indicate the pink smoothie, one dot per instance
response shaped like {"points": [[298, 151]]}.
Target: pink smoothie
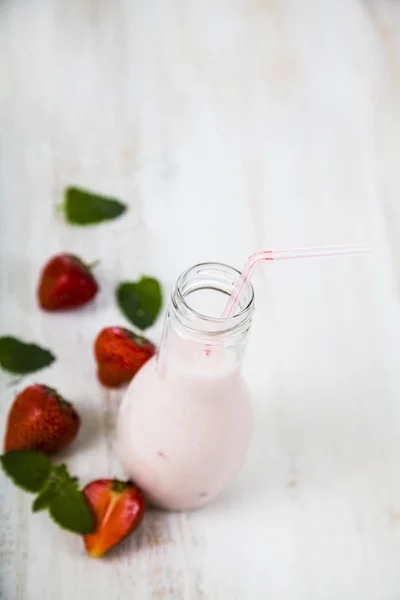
{"points": [[184, 429]]}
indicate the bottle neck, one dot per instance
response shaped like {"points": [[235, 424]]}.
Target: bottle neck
{"points": [[196, 339]]}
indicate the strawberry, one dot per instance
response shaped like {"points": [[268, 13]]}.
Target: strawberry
{"points": [[40, 419], [117, 507], [119, 354], [65, 282]]}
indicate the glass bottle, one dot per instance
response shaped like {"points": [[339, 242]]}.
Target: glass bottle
{"points": [[185, 422]]}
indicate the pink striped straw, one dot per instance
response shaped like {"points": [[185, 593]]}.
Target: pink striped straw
{"points": [[286, 254]]}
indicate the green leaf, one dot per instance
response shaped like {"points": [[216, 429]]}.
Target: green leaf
{"points": [[46, 496], [29, 469], [86, 208], [60, 473], [58, 491], [71, 511], [21, 357], [59, 481], [140, 301]]}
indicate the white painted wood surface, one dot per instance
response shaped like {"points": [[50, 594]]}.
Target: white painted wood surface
{"points": [[227, 126]]}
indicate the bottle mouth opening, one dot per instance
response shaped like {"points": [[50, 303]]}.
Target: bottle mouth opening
{"points": [[201, 293]]}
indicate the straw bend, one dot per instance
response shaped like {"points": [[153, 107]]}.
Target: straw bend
{"points": [[287, 254]]}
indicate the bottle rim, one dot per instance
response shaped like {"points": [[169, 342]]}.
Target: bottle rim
{"points": [[222, 278]]}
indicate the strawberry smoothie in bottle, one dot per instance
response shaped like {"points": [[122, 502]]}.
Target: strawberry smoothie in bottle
{"points": [[185, 422]]}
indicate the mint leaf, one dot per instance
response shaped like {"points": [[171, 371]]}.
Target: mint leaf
{"points": [[86, 208], [60, 473], [140, 301], [46, 496], [58, 481], [71, 511], [66, 503], [21, 357], [28, 469], [33, 471]]}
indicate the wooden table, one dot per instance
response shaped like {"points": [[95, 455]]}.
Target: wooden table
{"points": [[227, 126]]}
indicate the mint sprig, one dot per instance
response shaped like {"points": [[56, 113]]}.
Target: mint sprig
{"points": [[58, 480], [56, 490], [46, 496]]}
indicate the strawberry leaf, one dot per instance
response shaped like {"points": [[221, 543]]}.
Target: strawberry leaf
{"points": [[86, 208], [21, 357], [140, 301], [28, 469], [71, 511]]}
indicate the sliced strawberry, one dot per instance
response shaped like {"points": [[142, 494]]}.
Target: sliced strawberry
{"points": [[118, 508]]}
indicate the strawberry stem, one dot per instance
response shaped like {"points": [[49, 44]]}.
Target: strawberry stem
{"points": [[93, 264]]}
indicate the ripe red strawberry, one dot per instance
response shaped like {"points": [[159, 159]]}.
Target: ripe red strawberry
{"points": [[118, 508], [65, 282], [119, 354], [40, 419]]}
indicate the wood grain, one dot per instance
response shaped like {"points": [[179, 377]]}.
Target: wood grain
{"points": [[227, 127]]}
